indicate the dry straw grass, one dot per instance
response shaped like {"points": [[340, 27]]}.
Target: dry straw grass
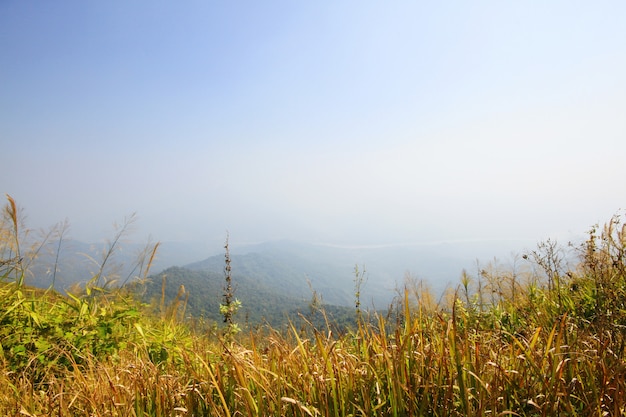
{"points": [[541, 341]]}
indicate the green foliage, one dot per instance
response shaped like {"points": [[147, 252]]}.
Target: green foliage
{"points": [[42, 333]]}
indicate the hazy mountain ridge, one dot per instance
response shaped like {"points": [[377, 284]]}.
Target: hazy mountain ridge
{"points": [[275, 277], [287, 272], [201, 294], [76, 261], [289, 267]]}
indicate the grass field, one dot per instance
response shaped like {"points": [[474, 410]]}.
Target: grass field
{"points": [[538, 339]]}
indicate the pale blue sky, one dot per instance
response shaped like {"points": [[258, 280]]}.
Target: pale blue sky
{"points": [[353, 122]]}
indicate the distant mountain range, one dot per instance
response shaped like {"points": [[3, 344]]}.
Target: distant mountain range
{"points": [[280, 275], [76, 262], [275, 277]]}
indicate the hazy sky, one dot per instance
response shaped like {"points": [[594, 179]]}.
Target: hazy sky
{"points": [[360, 122]]}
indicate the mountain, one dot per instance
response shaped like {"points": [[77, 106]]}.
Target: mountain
{"points": [[288, 271], [75, 262], [295, 269], [200, 292], [330, 269], [274, 277]]}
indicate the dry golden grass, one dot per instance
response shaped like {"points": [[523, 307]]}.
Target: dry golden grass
{"points": [[504, 344]]}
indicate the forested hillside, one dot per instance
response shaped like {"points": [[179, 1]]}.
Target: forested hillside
{"points": [[201, 294]]}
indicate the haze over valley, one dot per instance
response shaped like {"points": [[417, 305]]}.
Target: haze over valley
{"points": [[292, 271], [352, 124], [412, 137]]}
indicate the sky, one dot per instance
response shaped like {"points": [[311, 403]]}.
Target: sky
{"points": [[345, 122]]}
